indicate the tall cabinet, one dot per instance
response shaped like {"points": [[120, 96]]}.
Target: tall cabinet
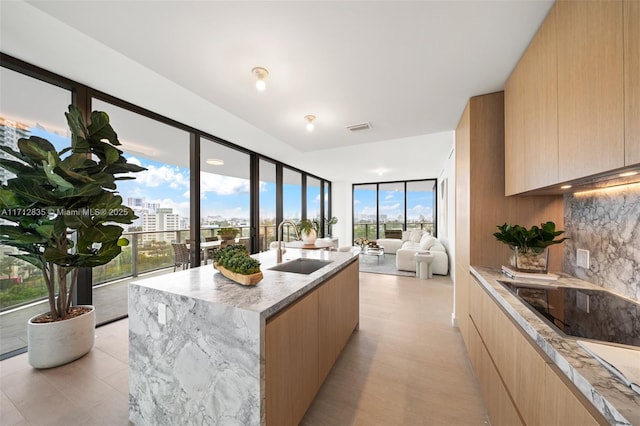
{"points": [[480, 201]]}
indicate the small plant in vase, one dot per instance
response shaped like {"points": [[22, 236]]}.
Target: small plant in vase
{"points": [[309, 230], [530, 247]]}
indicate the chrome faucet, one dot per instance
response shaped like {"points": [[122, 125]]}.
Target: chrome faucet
{"points": [[279, 236]]}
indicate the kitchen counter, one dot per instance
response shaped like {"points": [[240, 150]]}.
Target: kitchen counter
{"points": [[619, 404], [197, 340]]}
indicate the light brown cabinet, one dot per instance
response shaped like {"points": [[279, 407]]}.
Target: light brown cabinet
{"points": [[631, 15], [481, 204], [304, 341], [572, 104], [292, 361], [590, 88], [531, 114], [519, 382]]}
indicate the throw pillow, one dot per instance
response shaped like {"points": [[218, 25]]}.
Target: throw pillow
{"points": [[415, 236], [426, 242], [406, 235]]}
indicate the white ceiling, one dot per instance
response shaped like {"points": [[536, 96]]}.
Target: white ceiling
{"points": [[406, 67]]}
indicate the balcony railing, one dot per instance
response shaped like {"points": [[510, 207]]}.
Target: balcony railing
{"points": [[368, 230], [21, 283]]}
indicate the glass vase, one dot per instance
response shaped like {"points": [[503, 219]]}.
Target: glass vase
{"points": [[534, 260]]}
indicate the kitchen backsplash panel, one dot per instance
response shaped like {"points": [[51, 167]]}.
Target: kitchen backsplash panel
{"points": [[607, 223]]}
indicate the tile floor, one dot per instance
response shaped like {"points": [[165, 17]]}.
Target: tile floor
{"points": [[406, 365]]}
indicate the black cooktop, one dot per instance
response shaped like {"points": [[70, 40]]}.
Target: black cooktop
{"points": [[591, 314]]}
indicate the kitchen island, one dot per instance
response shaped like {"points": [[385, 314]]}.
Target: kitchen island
{"points": [[546, 374], [206, 350]]}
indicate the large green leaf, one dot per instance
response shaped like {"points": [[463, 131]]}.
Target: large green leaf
{"points": [[9, 200], [76, 123], [17, 154], [37, 261], [32, 192], [100, 129], [36, 148], [55, 179], [9, 233], [15, 167]]}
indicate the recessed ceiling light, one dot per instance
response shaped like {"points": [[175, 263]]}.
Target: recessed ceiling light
{"points": [[627, 174], [565, 187], [215, 162]]}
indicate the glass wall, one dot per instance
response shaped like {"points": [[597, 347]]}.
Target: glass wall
{"points": [[365, 211], [267, 198], [28, 107], [393, 206], [225, 196], [314, 209], [390, 207], [421, 205], [291, 200], [161, 196]]}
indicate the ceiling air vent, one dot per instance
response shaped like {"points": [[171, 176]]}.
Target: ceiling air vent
{"points": [[357, 127]]}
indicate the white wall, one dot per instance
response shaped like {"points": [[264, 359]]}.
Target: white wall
{"points": [[447, 232]]}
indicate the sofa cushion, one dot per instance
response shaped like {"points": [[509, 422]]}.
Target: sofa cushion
{"points": [[406, 235], [415, 235], [426, 242]]}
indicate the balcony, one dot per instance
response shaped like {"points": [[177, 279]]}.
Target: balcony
{"points": [[23, 294]]}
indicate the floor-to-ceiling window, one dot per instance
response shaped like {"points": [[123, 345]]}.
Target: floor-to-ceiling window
{"points": [[393, 206], [224, 191], [314, 209], [390, 207], [365, 211], [28, 107], [291, 200], [267, 196], [421, 205], [163, 197], [159, 196]]}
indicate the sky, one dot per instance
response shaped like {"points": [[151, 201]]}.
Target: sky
{"points": [[392, 204], [225, 196]]}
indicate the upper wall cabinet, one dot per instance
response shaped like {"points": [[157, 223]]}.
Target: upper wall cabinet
{"points": [[572, 104], [590, 88], [632, 80], [531, 114]]}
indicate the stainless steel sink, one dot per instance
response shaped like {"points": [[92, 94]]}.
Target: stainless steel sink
{"points": [[301, 265]]}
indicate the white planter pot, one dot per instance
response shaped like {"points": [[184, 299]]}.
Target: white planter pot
{"points": [[309, 238], [57, 343]]}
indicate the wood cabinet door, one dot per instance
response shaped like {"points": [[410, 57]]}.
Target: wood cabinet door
{"points": [[348, 304], [291, 361], [531, 114], [590, 87], [327, 326], [562, 406], [631, 14]]}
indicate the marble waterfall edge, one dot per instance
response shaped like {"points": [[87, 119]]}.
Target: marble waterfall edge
{"points": [[201, 367]]}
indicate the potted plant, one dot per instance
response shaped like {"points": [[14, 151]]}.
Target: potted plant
{"points": [[530, 247], [308, 230], [65, 210], [227, 234], [330, 223], [235, 263]]}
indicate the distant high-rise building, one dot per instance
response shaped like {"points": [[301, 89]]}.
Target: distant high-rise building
{"points": [[163, 219], [10, 133]]}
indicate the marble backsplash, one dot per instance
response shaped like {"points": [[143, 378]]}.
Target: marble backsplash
{"points": [[607, 223]]}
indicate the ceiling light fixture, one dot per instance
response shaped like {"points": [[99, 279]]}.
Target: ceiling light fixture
{"points": [[215, 162], [565, 187], [310, 119], [261, 74], [627, 174]]}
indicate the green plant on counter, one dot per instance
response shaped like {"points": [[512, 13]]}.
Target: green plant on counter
{"points": [[306, 226], [236, 259], [535, 239]]}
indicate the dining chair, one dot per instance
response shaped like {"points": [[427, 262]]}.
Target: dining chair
{"points": [[182, 258]]}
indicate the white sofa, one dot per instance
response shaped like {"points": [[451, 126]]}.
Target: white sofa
{"points": [[417, 242]]}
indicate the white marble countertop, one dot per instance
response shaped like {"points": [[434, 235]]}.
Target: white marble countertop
{"points": [[274, 292], [618, 403]]}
